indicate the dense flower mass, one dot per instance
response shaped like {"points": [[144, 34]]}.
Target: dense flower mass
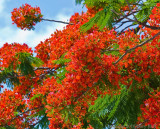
{"points": [[155, 18], [9, 51], [150, 110], [73, 69], [26, 16], [10, 100]]}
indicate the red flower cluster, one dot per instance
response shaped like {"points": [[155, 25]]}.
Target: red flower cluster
{"points": [[8, 53], [150, 110], [88, 64], [92, 56], [155, 16], [26, 16], [10, 100]]}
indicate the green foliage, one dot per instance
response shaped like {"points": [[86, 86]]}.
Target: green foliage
{"points": [[36, 96], [111, 14], [60, 74], [24, 66], [145, 11], [96, 123], [103, 18], [7, 127], [42, 123], [79, 1], [62, 60], [154, 81], [9, 77], [119, 109], [61, 71], [113, 50], [29, 19], [42, 120], [27, 62], [67, 114]]}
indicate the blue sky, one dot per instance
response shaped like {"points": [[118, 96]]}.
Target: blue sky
{"points": [[51, 9]]}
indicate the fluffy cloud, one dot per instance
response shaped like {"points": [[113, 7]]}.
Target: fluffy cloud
{"points": [[1, 5], [11, 34]]}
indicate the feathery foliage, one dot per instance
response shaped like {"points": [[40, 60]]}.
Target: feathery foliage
{"points": [[110, 12]]}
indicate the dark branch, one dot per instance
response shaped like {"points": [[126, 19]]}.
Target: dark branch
{"points": [[139, 126], [76, 99], [122, 23], [131, 10], [126, 28], [57, 21], [136, 30], [151, 27], [21, 114], [38, 122], [41, 68], [131, 20], [143, 43], [123, 16]]}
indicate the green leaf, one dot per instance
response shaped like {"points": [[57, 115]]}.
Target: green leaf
{"points": [[16, 113], [35, 96], [96, 123], [27, 63], [61, 61], [123, 108], [79, 1], [9, 77]]}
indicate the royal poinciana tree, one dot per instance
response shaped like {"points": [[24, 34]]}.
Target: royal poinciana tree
{"points": [[102, 70]]}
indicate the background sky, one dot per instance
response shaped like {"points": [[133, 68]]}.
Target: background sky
{"points": [[51, 9]]}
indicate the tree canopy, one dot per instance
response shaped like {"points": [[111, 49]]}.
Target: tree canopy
{"points": [[101, 71]]}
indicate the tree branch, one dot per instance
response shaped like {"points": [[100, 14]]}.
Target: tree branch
{"points": [[39, 68], [139, 126], [126, 28], [38, 122], [131, 10], [20, 115], [143, 43], [57, 21], [122, 24], [123, 16], [131, 20]]}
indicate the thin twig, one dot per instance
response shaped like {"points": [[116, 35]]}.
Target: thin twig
{"points": [[33, 125], [38, 68], [122, 24], [131, 10], [140, 23], [123, 16], [83, 93], [57, 21], [126, 28], [151, 27], [143, 43], [20, 115], [139, 126], [110, 50]]}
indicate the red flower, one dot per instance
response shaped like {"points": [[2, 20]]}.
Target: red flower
{"points": [[26, 16]]}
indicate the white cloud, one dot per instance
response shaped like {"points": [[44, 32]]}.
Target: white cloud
{"points": [[1, 5], [32, 38], [9, 33]]}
